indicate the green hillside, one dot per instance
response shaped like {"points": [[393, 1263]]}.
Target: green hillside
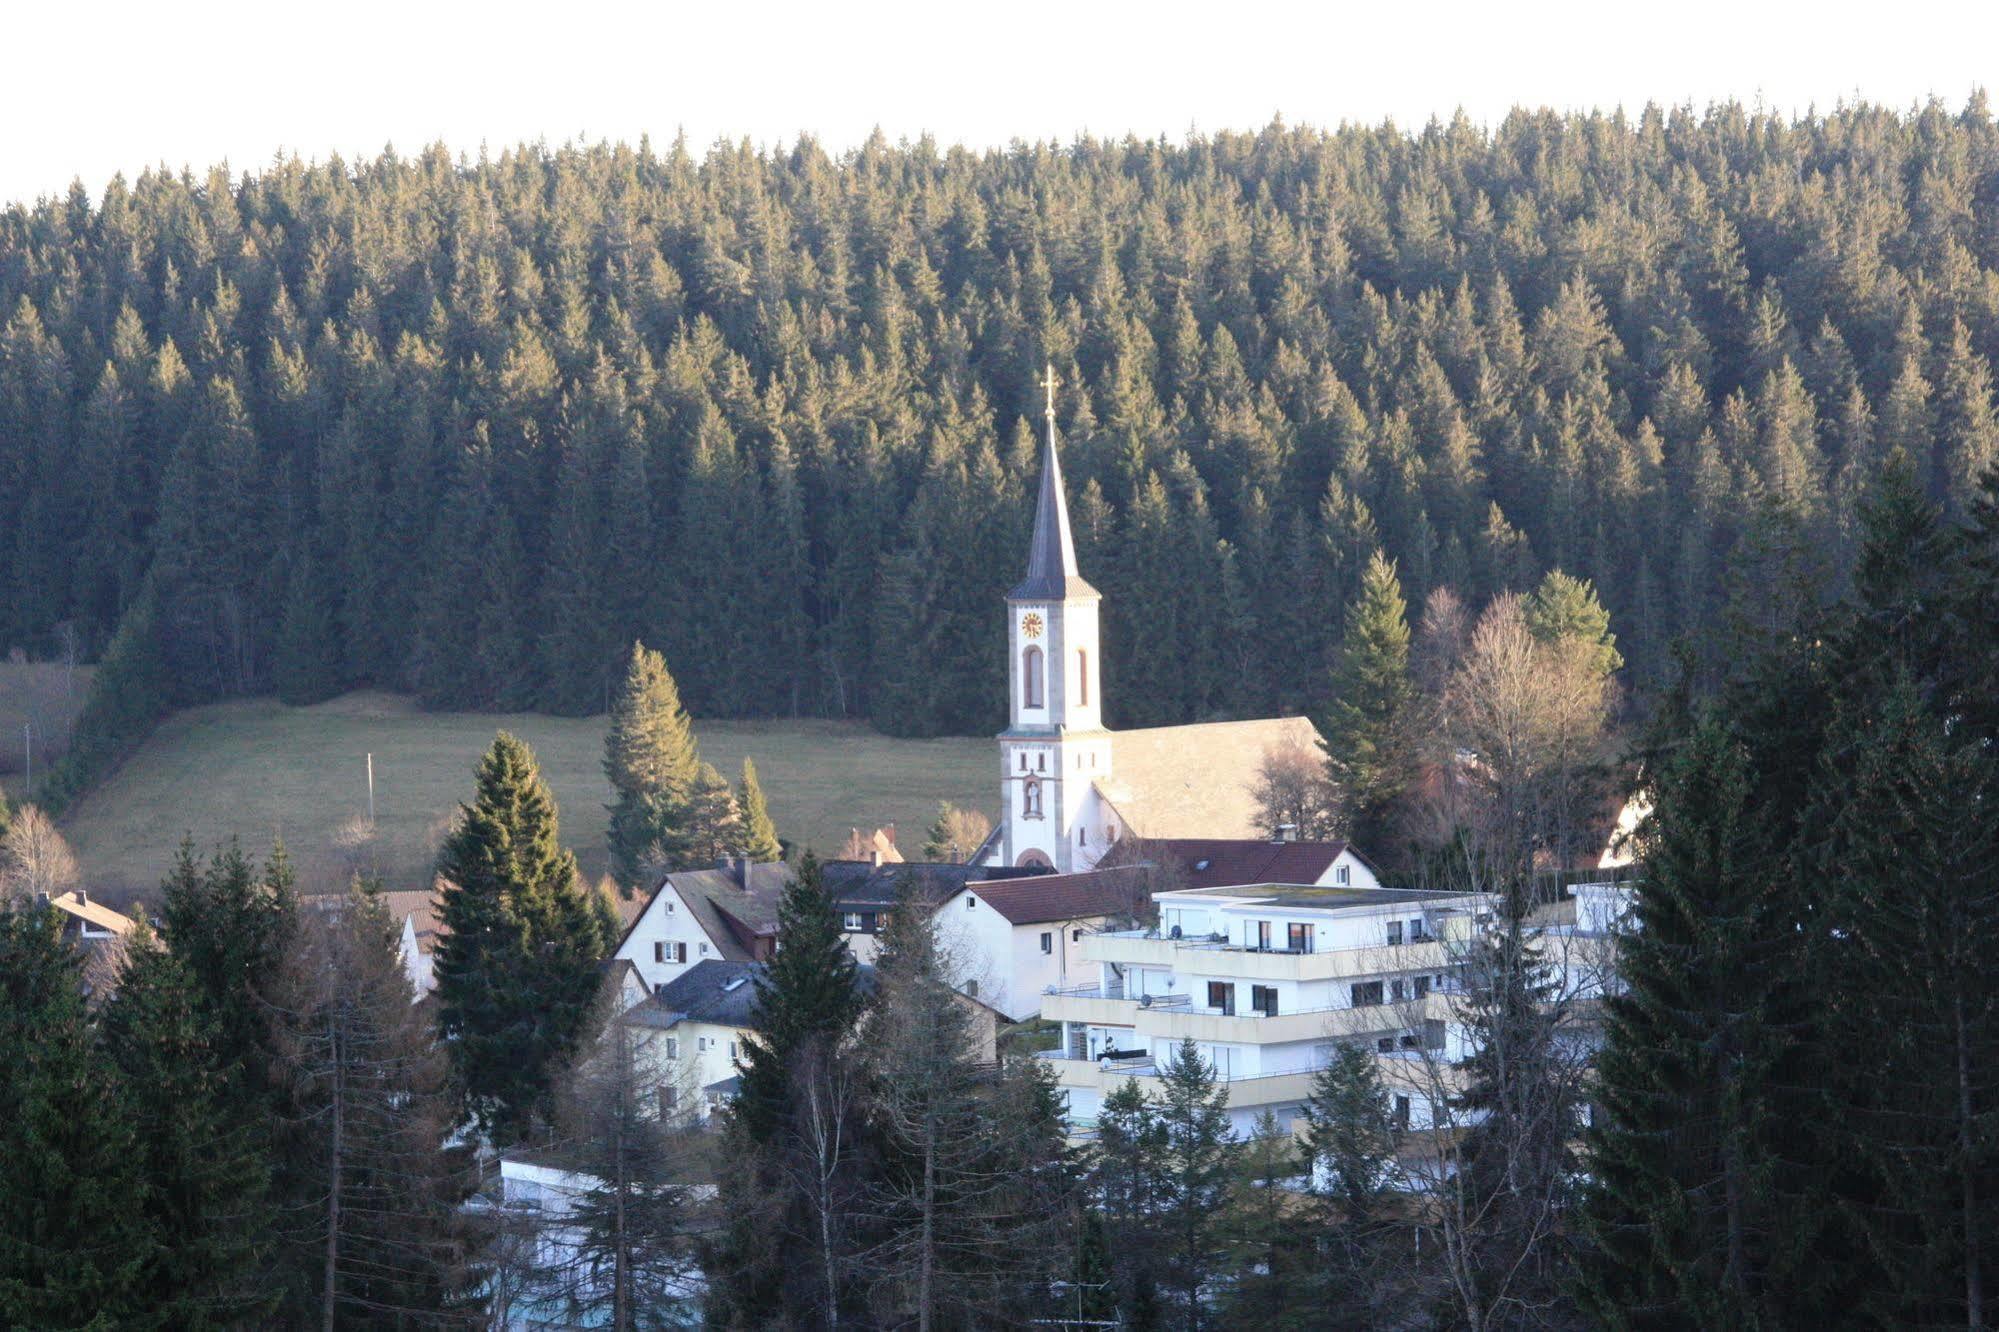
{"points": [[258, 768]]}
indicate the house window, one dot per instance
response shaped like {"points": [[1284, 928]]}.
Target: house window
{"points": [[673, 1047], [971, 902], [669, 1097], [1416, 931], [1047, 941], [1030, 678], [1422, 986], [1343, 876], [683, 951], [1075, 936], [669, 908], [1395, 931], [732, 1049], [1263, 998], [1083, 677], [701, 1044], [1298, 938], [972, 988], [1367, 994], [851, 922], [1221, 997], [1395, 991], [1402, 1112], [1386, 1045], [680, 951], [1082, 837]]}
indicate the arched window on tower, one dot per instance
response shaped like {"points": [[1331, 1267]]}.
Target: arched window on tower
{"points": [[1083, 675], [1030, 678]]}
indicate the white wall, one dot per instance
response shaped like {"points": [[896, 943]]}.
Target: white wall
{"points": [[977, 944], [666, 920]]}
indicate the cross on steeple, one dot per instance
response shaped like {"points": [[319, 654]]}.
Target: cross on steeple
{"points": [[1048, 382]]}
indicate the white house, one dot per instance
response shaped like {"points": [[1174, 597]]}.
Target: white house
{"points": [[690, 1035], [1267, 980], [727, 914], [1071, 789], [1010, 941]]}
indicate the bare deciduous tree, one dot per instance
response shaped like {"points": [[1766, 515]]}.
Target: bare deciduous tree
{"points": [[1293, 793], [35, 861]]}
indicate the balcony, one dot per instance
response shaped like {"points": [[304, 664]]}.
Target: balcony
{"points": [[1254, 1028], [1131, 948], [1089, 1004], [1219, 958]]}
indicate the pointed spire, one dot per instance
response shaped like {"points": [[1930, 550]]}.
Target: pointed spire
{"points": [[1051, 555]]}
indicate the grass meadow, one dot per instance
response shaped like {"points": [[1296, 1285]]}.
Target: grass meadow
{"points": [[256, 769]]}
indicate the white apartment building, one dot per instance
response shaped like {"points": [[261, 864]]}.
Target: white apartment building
{"points": [[1267, 980]]}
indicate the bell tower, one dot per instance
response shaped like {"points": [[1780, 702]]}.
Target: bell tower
{"points": [[1054, 748]]}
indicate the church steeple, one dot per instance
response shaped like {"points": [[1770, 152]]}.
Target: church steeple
{"points": [[1051, 555], [1055, 749]]}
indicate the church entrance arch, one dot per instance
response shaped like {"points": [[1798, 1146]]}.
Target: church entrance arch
{"points": [[1036, 858]]}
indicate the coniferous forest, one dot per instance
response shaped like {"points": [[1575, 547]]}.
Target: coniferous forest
{"points": [[468, 428]]}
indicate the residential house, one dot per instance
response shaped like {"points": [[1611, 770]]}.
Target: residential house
{"points": [[874, 848], [97, 932], [1010, 941], [691, 1033], [1218, 862], [863, 892], [726, 914]]}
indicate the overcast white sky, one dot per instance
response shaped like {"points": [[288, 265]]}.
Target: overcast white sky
{"points": [[87, 89]]}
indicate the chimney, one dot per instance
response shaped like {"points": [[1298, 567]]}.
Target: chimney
{"points": [[743, 871], [82, 898], [1287, 832], [875, 856], [890, 830]]}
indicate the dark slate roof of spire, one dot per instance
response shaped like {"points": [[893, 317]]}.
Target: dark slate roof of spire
{"points": [[1051, 556]]}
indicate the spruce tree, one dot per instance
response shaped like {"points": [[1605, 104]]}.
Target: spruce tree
{"points": [[1127, 1185], [205, 1168], [515, 979], [1198, 1164], [807, 995], [1366, 722], [759, 834], [74, 1247], [1680, 1213], [652, 763], [1350, 1151]]}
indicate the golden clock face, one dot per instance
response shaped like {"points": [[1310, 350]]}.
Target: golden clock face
{"points": [[1030, 625]]}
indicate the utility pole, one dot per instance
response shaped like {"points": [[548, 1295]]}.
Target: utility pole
{"points": [[371, 790]]}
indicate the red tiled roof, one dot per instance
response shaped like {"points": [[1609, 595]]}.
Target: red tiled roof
{"points": [[1046, 897], [1217, 862]]}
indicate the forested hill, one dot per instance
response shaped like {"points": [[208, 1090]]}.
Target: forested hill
{"points": [[468, 428]]}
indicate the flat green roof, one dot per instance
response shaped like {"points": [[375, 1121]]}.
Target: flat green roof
{"points": [[1315, 895]]}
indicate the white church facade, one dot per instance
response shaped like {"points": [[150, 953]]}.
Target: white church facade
{"points": [[1071, 789]]}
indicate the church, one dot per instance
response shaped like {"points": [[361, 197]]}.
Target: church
{"points": [[1070, 789]]}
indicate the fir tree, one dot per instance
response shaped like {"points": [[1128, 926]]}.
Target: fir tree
{"points": [[514, 975], [205, 1168], [652, 763], [1198, 1162], [759, 834], [1365, 727], [806, 995], [74, 1250], [1691, 1046]]}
